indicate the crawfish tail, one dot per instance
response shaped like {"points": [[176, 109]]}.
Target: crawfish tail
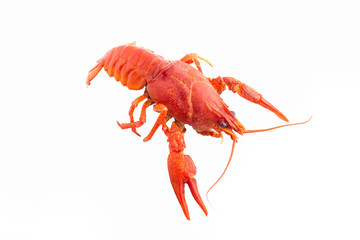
{"points": [[131, 65], [94, 71]]}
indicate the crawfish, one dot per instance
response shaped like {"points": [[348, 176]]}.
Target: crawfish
{"points": [[180, 91]]}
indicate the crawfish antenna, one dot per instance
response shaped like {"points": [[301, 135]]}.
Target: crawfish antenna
{"points": [[268, 129], [227, 165]]}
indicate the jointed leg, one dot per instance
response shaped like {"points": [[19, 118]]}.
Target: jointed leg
{"points": [[161, 120], [133, 125], [244, 91], [193, 58], [134, 105]]}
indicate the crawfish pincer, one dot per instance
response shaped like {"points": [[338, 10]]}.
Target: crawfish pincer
{"points": [[182, 169]]}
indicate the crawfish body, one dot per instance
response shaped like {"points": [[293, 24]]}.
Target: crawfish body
{"points": [[186, 92], [180, 91]]}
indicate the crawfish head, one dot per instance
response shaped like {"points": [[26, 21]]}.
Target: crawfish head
{"points": [[213, 116]]}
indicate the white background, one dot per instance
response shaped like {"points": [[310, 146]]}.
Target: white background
{"points": [[67, 171]]}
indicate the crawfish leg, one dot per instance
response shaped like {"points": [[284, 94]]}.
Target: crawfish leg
{"points": [[194, 58], [161, 120], [244, 91], [182, 170], [133, 125], [134, 105]]}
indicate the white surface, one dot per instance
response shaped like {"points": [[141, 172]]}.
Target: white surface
{"points": [[67, 171]]}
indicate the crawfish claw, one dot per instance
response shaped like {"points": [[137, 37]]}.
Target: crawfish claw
{"points": [[246, 92], [182, 170]]}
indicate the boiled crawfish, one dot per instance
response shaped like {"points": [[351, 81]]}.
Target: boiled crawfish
{"points": [[178, 90]]}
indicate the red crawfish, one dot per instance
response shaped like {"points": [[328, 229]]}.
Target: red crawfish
{"points": [[180, 91]]}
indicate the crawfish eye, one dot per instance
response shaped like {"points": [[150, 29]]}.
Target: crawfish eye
{"points": [[233, 113], [223, 123]]}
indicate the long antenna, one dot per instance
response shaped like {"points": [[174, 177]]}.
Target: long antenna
{"points": [[227, 165], [268, 129], [234, 142]]}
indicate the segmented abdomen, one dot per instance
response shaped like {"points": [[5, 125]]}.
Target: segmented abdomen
{"points": [[131, 65]]}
